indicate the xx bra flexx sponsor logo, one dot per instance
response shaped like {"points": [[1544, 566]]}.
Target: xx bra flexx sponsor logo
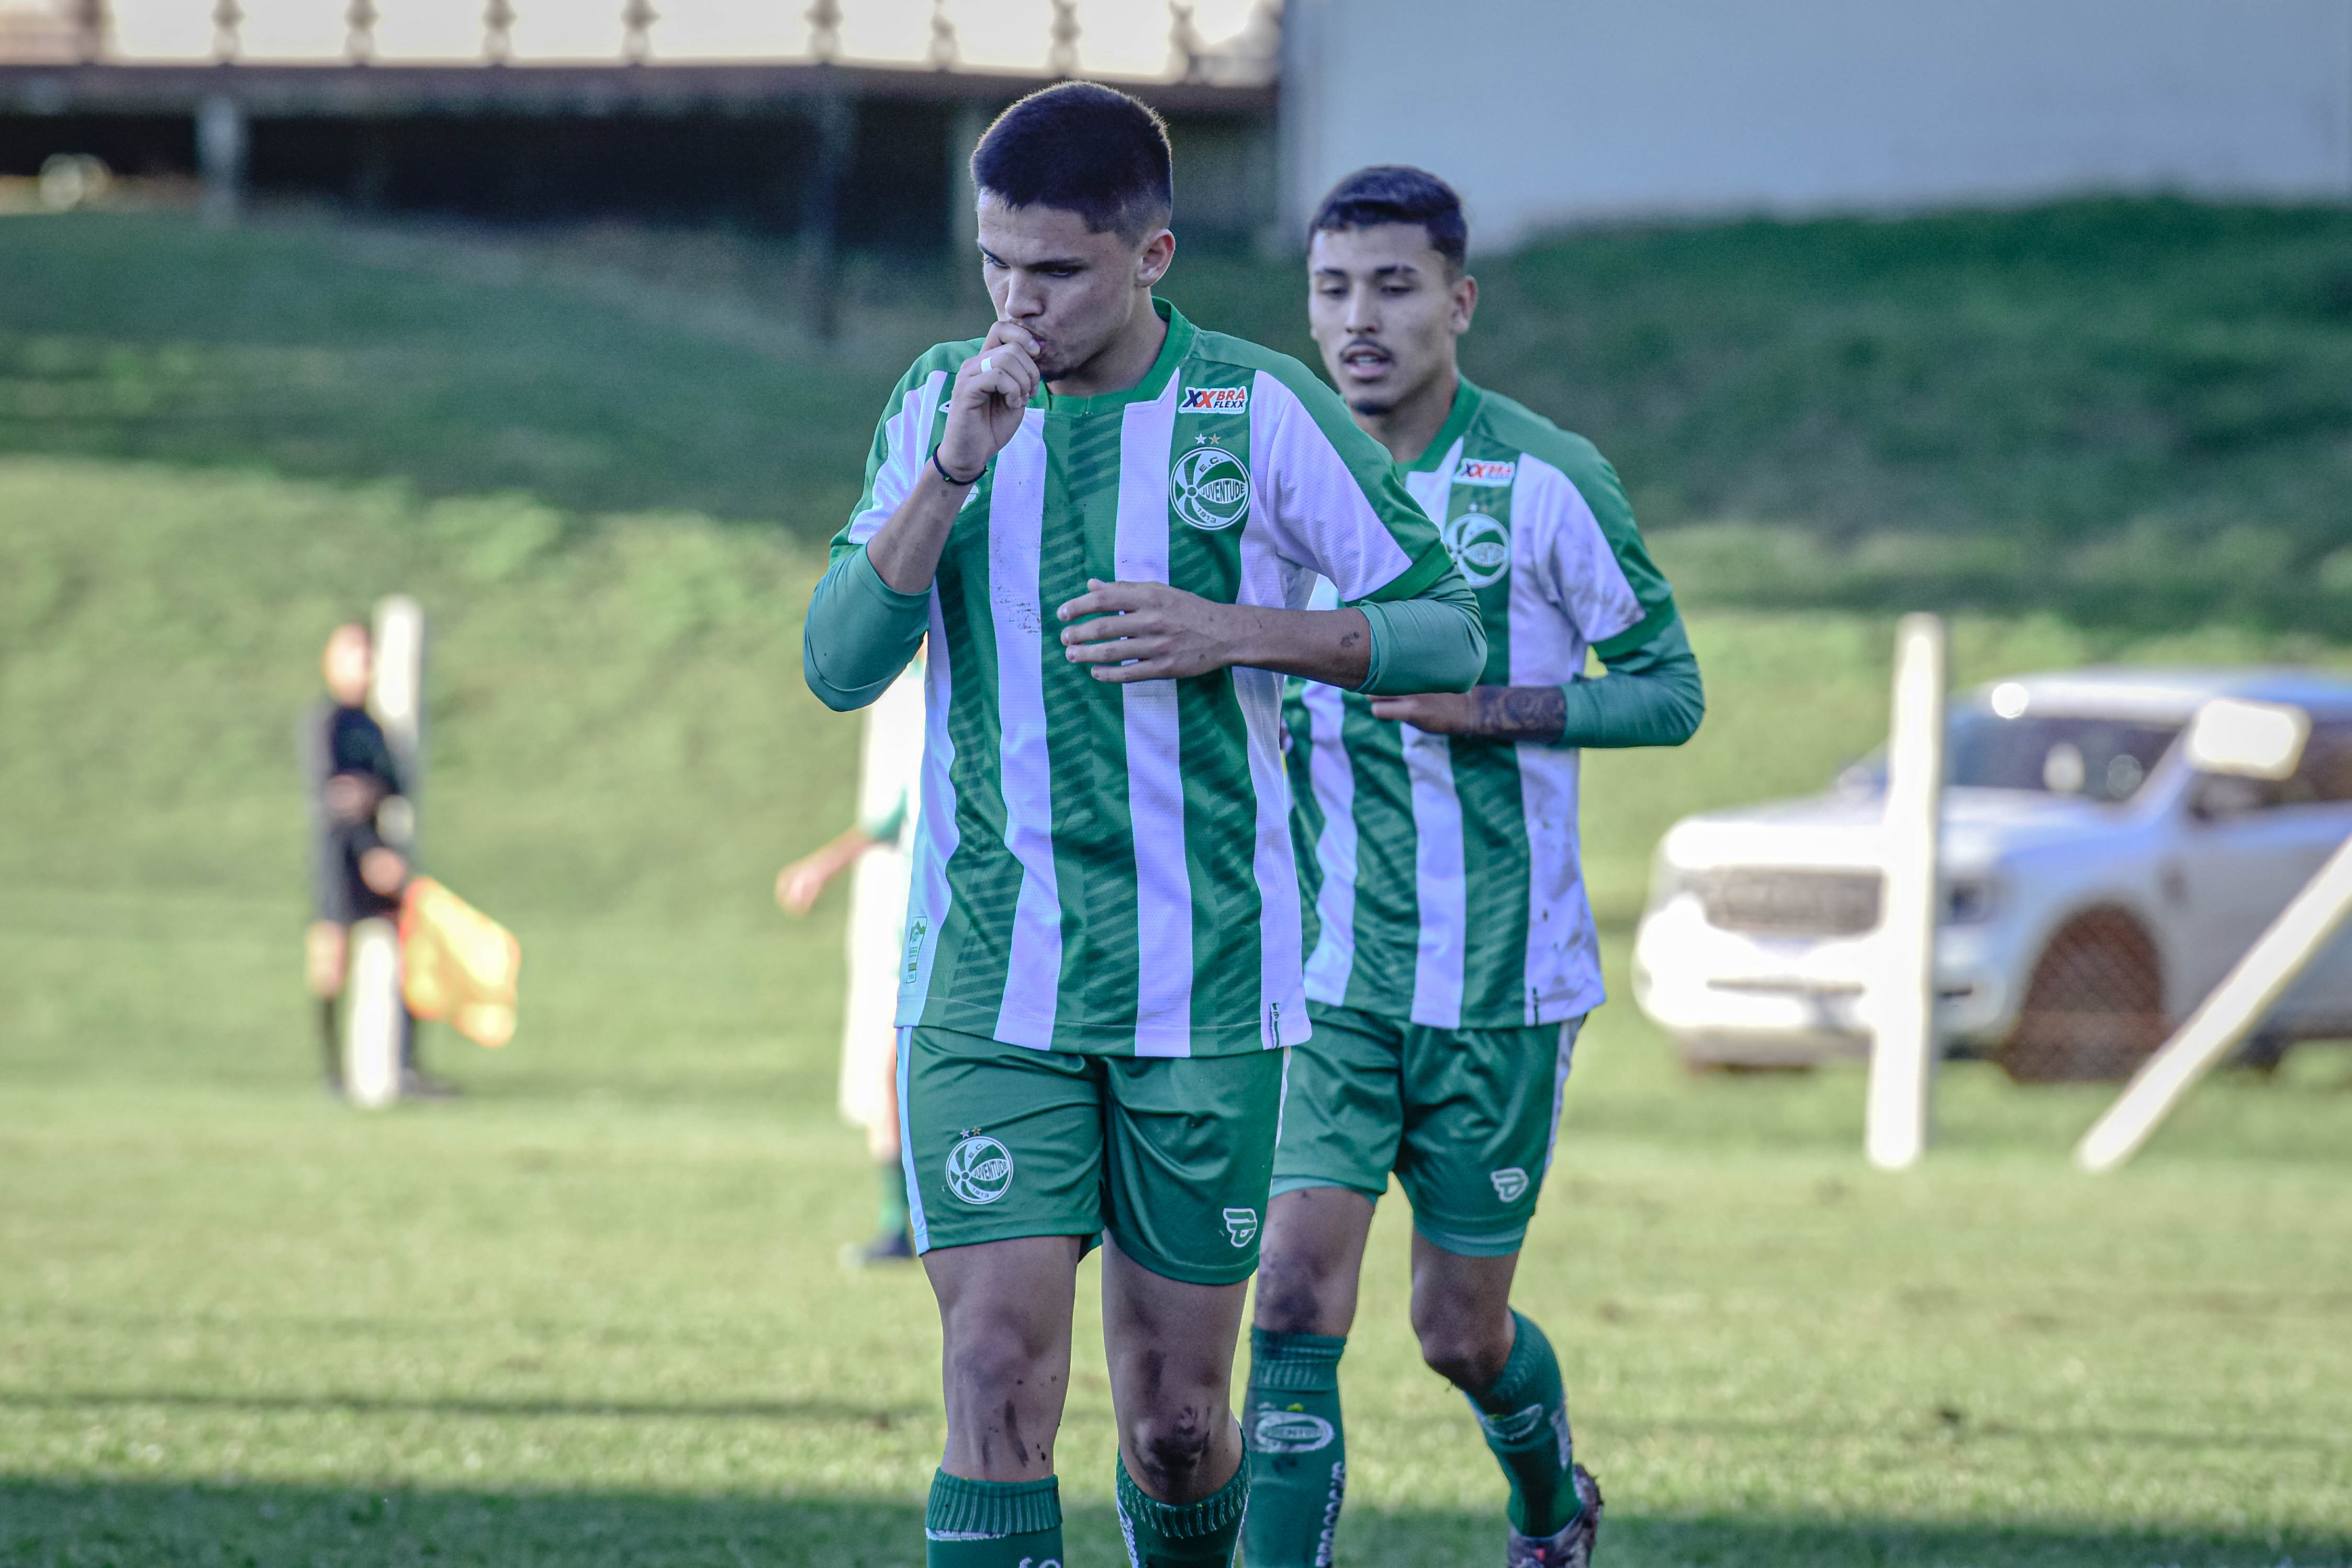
{"points": [[1241, 1224], [1210, 489], [1214, 400], [980, 1170], [1480, 545], [1473, 472], [1509, 1181], [1289, 1431]]}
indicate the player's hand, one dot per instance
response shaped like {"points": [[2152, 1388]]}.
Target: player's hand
{"points": [[991, 395], [384, 871], [798, 884], [1439, 712], [1147, 631], [349, 797]]}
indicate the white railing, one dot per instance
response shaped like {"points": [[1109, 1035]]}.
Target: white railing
{"points": [[1227, 42]]}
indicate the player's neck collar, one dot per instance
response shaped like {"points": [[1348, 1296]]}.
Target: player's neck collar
{"points": [[1467, 399], [1178, 343]]}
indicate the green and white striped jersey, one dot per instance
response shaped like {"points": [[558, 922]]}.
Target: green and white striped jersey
{"points": [[1104, 867], [1441, 872]]}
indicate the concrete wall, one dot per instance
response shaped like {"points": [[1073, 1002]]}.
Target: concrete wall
{"points": [[1551, 111]]}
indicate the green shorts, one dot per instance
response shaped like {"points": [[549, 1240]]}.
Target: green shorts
{"points": [[1465, 1117], [1171, 1155]]}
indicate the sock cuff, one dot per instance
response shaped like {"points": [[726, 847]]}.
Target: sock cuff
{"points": [[1295, 1364], [1526, 1371], [1221, 1510], [986, 1509]]}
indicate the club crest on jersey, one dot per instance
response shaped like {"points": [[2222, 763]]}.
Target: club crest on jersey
{"points": [[1210, 487], [1509, 1182], [1473, 471], [980, 1170], [1214, 400], [1480, 545], [1241, 1224], [1289, 1431]]}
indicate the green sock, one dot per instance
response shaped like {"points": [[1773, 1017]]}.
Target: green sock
{"points": [[1525, 1416], [1297, 1449], [890, 1180], [1182, 1534], [993, 1524]]}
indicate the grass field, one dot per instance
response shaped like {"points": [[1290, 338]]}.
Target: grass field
{"points": [[589, 1314]]}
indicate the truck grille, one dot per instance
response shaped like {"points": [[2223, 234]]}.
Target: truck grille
{"points": [[1792, 903]]}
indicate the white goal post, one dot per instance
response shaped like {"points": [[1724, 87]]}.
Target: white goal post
{"points": [[2236, 1005], [1902, 996], [2254, 739]]}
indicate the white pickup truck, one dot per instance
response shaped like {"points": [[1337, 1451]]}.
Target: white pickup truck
{"points": [[2096, 884]]}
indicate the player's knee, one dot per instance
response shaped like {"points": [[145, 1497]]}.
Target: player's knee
{"points": [[996, 1353], [1174, 1443], [1466, 1352], [1292, 1296]]}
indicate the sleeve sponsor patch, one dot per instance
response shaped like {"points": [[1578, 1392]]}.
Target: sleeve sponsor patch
{"points": [[1214, 400], [1473, 471]]}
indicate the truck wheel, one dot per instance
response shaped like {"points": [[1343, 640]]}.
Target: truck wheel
{"points": [[2094, 1008]]}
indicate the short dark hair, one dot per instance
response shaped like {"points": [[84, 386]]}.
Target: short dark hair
{"points": [[1084, 148], [1398, 193]]}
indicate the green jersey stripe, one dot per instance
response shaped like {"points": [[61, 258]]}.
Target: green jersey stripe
{"points": [[1093, 836]]}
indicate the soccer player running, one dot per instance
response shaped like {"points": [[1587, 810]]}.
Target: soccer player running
{"points": [[1107, 520], [1453, 955]]}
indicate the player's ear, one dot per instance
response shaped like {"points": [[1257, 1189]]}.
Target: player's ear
{"points": [[1152, 262], [1465, 302]]}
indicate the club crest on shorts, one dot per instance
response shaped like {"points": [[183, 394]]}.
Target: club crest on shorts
{"points": [[1288, 1432], [1480, 545], [980, 1170], [1242, 1226], [1210, 489], [1509, 1182]]}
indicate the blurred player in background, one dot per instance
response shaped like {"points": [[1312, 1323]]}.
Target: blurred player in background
{"points": [[1106, 519], [355, 791], [889, 801], [1453, 956]]}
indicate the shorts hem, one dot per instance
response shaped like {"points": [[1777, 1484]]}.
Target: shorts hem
{"points": [[1090, 1239], [1300, 1183], [1184, 1273], [1484, 1243], [1090, 1040]]}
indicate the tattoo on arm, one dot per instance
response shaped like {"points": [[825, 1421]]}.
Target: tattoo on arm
{"points": [[1521, 712]]}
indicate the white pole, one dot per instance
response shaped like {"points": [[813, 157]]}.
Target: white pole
{"points": [[2222, 1020], [396, 699], [372, 1016], [1903, 1042]]}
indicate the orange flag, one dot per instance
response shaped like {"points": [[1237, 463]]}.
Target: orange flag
{"points": [[460, 964]]}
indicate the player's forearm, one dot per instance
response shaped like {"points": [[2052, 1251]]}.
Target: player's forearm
{"points": [[1331, 646], [860, 633], [1436, 642], [905, 552]]}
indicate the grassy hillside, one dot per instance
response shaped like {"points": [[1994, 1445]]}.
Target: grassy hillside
{"points": [[589, 1314], [2138, 414]]}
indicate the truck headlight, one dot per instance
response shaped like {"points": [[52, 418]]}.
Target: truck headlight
{"points": [[1971, 901]]}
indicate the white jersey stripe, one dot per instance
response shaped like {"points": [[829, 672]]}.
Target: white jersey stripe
{"points": [[1155, 782], [1437, 861], [1332, 775], [1280, 990], [909, 435], [1032, 978]]}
